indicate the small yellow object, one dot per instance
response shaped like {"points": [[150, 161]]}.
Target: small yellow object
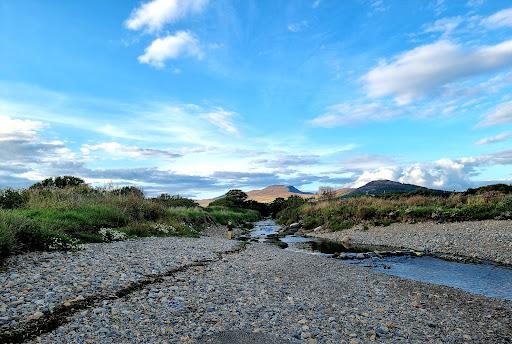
{"points": [[230, 235]]}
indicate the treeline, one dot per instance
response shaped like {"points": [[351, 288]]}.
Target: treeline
{"points": [[64, 212]]}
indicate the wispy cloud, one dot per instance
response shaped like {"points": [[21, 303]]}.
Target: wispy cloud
{"points": [[182, 43], [152, 16], [502, 18], [297, 27], [347, 113], [222, 119], [444, 25], [425, 69], [118, 150], [496, 138], [501, 114]]}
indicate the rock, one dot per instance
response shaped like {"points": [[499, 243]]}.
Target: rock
{"points": [[318, 229], [346, 239], [294, 225], [35, 316], [361, 256]]}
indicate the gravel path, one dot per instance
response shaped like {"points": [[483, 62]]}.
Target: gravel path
{"points": [[265, 294], [34, 284], [487, 240]]}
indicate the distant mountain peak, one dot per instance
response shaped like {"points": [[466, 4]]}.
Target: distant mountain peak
{"points": [[383, 186]]}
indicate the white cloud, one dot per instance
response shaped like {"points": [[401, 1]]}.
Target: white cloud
{"points": [[222, 119], [425, 69], [316, 3], [443, 174], [345, 113], [182, 43], [499, 19], [119, 150], [444, 25], [154, 15], [496, 138], [474, 3], [502, 114], [11, 128], [389, 173], [438, 6]]}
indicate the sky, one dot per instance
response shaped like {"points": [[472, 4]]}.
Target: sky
{"points": [[196, 97]]}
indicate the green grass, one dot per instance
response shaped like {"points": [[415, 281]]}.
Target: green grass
{"points": [[53, 219], [382, 211], [224, 215]]}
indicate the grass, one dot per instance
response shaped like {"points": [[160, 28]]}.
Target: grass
{"points": [[63, 219], [382, 211], [223, 215]]}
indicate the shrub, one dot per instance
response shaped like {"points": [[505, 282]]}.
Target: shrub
{"points": [[11, 199], [7, 240], [176, 201], [59, 183]]}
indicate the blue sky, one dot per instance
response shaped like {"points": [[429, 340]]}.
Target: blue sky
{"points": [[196, 97]]}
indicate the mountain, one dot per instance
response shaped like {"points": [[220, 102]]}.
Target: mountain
{"points": [[272, 192], [380, 187], [268, 194]]}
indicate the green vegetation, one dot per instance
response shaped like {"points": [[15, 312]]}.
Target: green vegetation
{"points": [[62, 213], [490, 202]]}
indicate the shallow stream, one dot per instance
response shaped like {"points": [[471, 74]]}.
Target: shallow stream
{"points": [[483, 279]]}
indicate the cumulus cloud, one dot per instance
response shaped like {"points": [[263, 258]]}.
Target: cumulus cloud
{"points": [[501, 114], [445, 174], [389, 173], [182, 43], [222, 119], [496, 138], [11, 128], [152, 16], [119, 150], [502, 18], [425, 69]]}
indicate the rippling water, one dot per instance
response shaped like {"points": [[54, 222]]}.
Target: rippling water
{"points": [[484, 279]]}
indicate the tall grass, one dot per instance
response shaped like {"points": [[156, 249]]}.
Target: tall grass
{"points": [[53, 218], [224, 215], [345, 213]]}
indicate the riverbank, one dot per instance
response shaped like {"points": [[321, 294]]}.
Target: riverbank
{"points": [[489, 240], [277, 295], [211, 290]]}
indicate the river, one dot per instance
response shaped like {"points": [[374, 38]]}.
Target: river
{"points": [[483, 279]]}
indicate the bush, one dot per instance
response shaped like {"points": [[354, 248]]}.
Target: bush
{"points": [[59, 183], [82, 219], [11, 199], [176, 201]]}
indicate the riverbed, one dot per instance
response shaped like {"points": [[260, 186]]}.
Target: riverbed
{"points": [[483, 279]]}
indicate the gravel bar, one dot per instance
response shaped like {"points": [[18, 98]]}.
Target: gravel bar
{"points": [[485, 240], [267, 295], [34, 284]]}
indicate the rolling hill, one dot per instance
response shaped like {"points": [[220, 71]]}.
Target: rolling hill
{"points": [[380, 187]]}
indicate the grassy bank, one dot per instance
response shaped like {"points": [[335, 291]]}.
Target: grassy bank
{"points": [[346, 213], [63, 218]]}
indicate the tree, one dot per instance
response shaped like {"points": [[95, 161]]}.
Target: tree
{"points": [[129, 191], [60, 182], [232, 199], [327, 193]]}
